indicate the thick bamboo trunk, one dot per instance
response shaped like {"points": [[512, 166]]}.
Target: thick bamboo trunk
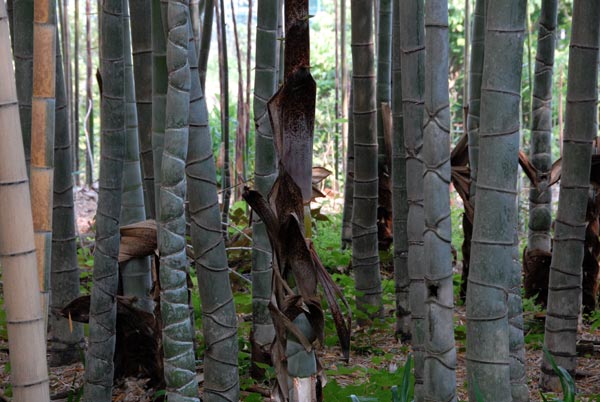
{"points": [[440, 353], [581, 128], [221, 380], [42, 138], [412, 44], [141, 39], [178, 333], [365, 255], [492, 254], [25, 322], [66, 338], [399, 200], [103, 309]]}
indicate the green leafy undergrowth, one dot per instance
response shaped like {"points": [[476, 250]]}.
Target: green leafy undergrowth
{"points": [[328, 243], [369, 384]]}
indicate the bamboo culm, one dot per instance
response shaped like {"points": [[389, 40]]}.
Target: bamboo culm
{"points": [[221, 381], [103, 310], [581, 128]]}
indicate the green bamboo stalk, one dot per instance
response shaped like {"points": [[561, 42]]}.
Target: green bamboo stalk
{"points": [[66, 339], [205, 40], [221, 378], [476, 71], [103, 309], [412, 44], [440, 353], [178, 334], [265, 173], [400, 202], [23, 52], [42, 139], [540, 210], [383, 95], [159, 96], [488, 354], [365, 256], [349, 184], [141, 39], [24, 319], [135, 273], [581, 128]]}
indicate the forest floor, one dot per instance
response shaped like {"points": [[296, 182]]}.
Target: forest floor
{"points": [[377, 358]]}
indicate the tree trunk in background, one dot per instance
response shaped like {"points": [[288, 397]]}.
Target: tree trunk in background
{"points": [[141, 39], [9, 14], [265, 172], [384, 65], [221, 378], [159, 97], [103, 308], [440, 361], [178, 334], [196, 23], [66, 339], [240, 132], [349, 182], [207, 28], [488, 360], [476, 71], [540, 197], [412, 44], [75, 131], [23, 28], [400, 203], [224, 103], [89, 154], [344, 84], [63, 10], [25, 322], [564, 295], [248, 85], [135, 273], [42, 139], [365, 254]]}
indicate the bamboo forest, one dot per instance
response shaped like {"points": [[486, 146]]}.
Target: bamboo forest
{"points": [[299, 200]]}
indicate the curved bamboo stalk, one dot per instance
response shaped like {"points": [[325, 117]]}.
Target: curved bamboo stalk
{"points": [[42, 138], [365, 256], [412, 33], [103, 309], [400, 202], [178, 334], [141, 40], [135, 273], [440, 354], [581, 128], [265, 172], [66, 339], [25, 322], [488, 359], [221, 378]]}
